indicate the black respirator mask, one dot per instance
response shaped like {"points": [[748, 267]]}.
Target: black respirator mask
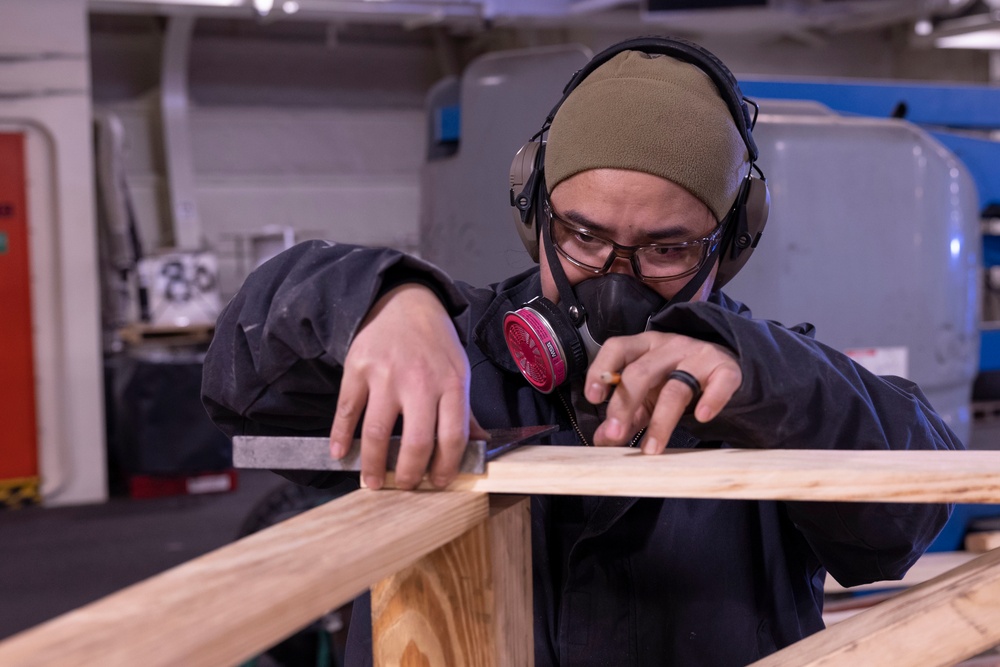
{"points": [[554, 343], [551, 345]]}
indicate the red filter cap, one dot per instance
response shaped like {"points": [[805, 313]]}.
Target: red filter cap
{"points": [[535, 349]]}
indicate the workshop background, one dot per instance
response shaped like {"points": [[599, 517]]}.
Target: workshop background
{"points": [[153, 152]]}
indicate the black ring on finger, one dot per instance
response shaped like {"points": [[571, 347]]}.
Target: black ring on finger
{"points": [[688, 379]]}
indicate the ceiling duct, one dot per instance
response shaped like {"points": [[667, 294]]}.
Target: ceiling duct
{"points": [[760, 17], [791, 16], [401, 12]]}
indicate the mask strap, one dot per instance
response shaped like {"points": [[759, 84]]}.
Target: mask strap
{"points": [[567, 297]]}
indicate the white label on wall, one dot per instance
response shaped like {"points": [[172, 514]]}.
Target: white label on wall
{"points": [[209, 483], [882, 360]]}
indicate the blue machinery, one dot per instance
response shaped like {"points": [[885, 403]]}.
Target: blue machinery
{"points": [[959, 116]]}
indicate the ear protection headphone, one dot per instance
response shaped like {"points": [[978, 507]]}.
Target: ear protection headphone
{"points": [[745, 221]]}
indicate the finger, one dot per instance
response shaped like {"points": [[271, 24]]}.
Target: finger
{"points": [[350, 404], [452, 436], [615, 354], [417, 442], [673, 400], [380, 417], [640, 419], [597, 391], [625, 413], [720, 386], [632, 399]]}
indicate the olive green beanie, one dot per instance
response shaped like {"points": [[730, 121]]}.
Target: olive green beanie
{"points": [[654, 114]]}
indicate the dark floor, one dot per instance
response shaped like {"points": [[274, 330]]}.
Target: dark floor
{"points": [[57, 559]]}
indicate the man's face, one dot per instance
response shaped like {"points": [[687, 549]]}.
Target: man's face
{"points": [[630, 208]]}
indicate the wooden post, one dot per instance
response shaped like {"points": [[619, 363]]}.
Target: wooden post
{"points": [[468, 604]]}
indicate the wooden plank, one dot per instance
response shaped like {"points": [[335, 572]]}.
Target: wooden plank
{"points": [[837, 611], [751, 474], [231, 604], [940, 622], [138, 334], [983, 541], [467, 604], [510, 556]]}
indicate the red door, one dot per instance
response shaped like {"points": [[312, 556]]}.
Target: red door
{"points": [[18, 430]]}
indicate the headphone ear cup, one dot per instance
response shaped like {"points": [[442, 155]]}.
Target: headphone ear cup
{"points": [[756, 204], [524, 175]]}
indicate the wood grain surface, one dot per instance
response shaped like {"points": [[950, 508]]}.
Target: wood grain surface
{"points": [[467, 604], [938, 623], [510, 558], [983, 541], [231, 604], [752, 474]]}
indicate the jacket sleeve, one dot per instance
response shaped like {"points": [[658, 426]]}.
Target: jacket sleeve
{"points": [[275, 363], [798, 393]]}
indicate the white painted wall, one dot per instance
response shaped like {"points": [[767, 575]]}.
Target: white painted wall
{"points": [[326, 140], [307, 169], [49, 100]]}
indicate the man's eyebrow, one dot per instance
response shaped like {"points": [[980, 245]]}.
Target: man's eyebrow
{"points": [[669, 233]]}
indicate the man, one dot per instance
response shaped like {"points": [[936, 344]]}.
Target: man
{"points": [[643, 194]]}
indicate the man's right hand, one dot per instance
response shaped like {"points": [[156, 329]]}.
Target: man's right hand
{"points": [[406, 360]]}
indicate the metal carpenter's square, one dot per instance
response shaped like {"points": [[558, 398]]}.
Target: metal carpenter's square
{"points": [[313, 453]]}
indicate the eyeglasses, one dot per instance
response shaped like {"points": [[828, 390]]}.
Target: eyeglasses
{"points": [[651, 262]]}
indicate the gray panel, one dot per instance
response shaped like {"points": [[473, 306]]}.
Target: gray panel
{"points": [[467, 223], [874, 238]]}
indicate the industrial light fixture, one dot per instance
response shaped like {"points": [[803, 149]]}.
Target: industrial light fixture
{"points": [[988, 40], [975, 31], [99, 4]]}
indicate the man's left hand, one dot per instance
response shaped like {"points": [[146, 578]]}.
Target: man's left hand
{"points": [[646, 397]]}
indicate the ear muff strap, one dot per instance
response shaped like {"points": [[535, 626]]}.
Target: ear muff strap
{"points": [[524, 201], [746, 225]]}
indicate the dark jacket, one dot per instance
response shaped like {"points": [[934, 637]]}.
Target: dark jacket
{"points": [[618, 581]]}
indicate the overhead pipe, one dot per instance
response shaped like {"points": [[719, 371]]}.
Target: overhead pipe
{"points": [[177, 151]]}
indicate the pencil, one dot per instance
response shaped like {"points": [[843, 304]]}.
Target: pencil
{"points": [[610, 377]]}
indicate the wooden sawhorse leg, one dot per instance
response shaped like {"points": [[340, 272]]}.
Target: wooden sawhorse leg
{"points": [[467, 604]]}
